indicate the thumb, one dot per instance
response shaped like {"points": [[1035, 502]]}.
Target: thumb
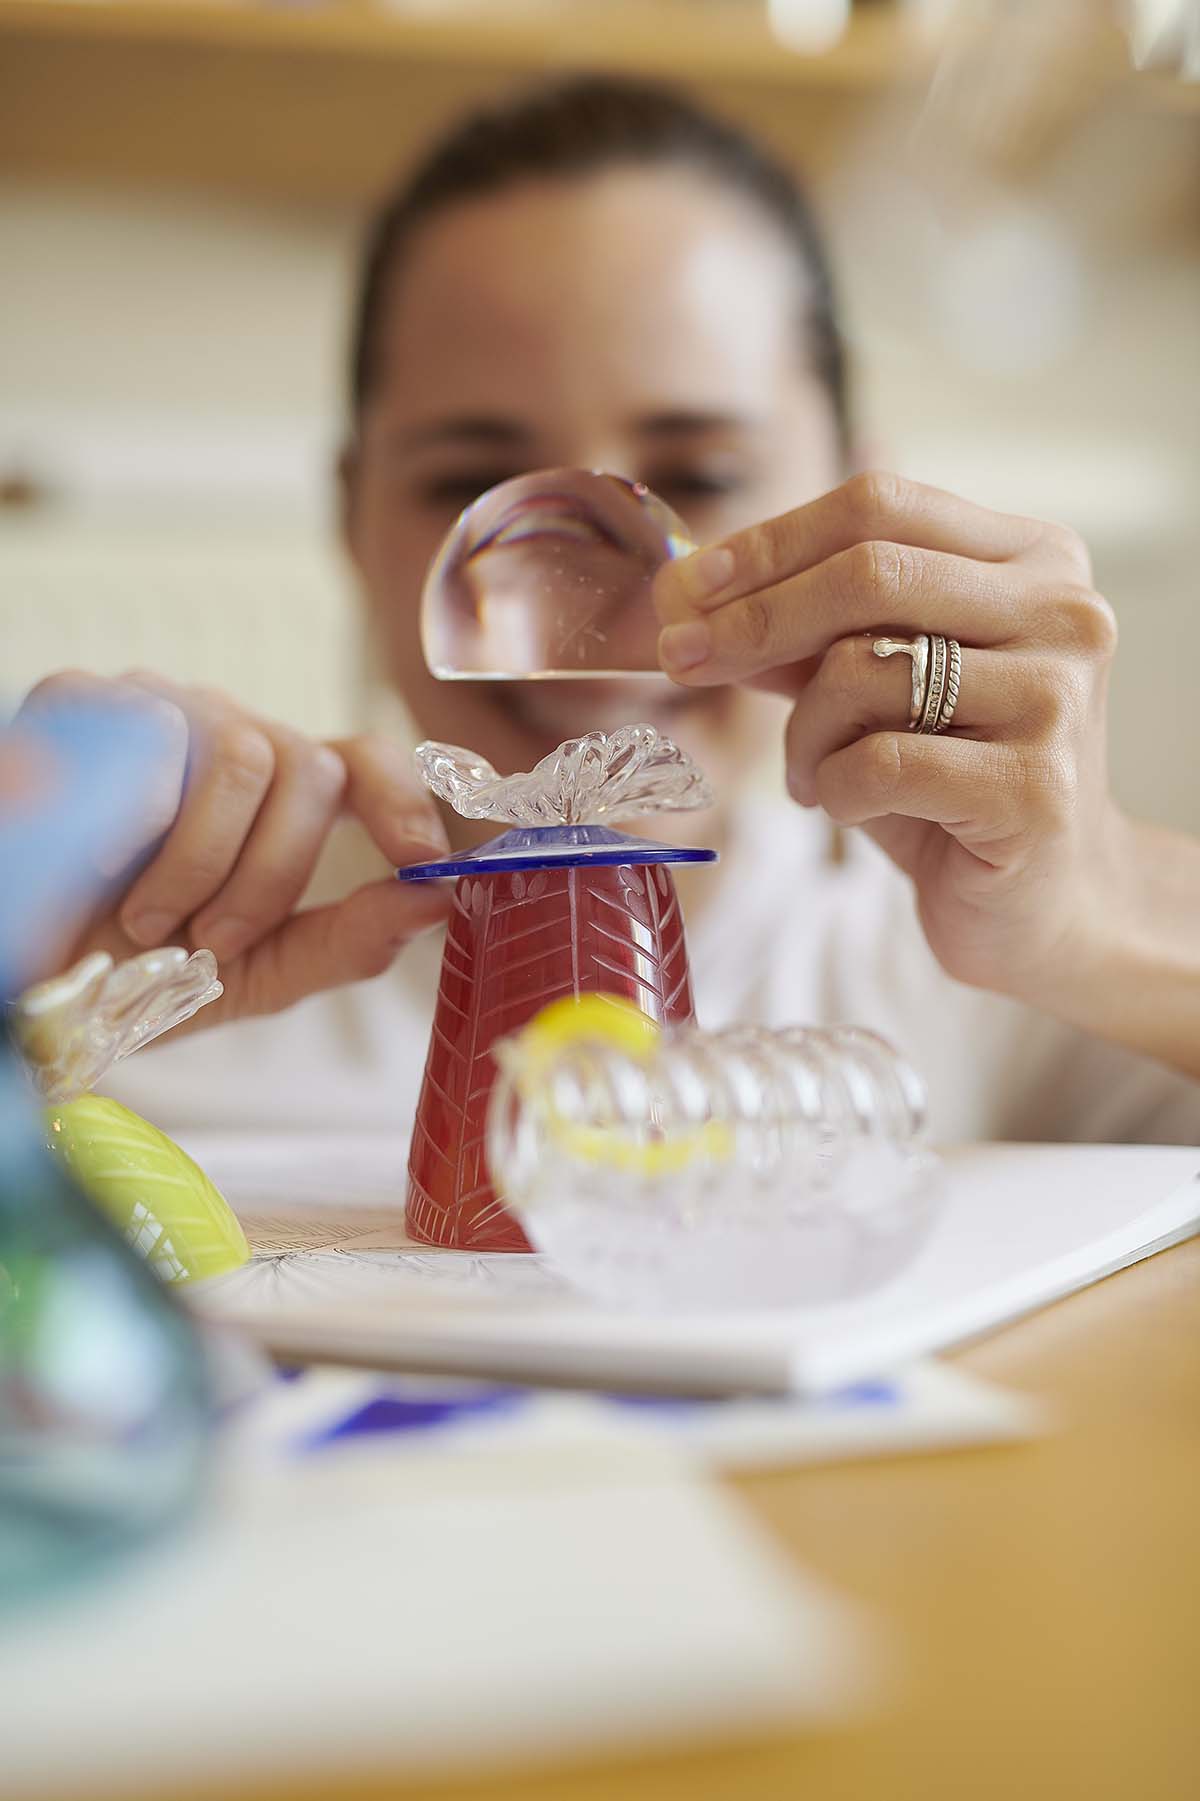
{"points": [[325, 947]]}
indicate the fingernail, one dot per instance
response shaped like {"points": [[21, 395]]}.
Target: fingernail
{"points": [[419, 828], [226, 937], [684, 646], [705, 574], [801, 789], [149, 928], [424, 850]]}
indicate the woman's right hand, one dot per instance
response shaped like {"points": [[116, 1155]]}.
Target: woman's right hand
{"points": [[225, 846]]}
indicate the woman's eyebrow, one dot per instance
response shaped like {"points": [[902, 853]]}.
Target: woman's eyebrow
{"points": [[469, 429]]}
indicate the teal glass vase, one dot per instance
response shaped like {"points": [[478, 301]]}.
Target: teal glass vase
{"points": [[104, 1402]]}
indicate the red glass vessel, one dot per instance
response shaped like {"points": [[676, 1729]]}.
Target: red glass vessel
{"points": [[584, 910]]}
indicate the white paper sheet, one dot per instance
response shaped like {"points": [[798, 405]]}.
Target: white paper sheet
{"points": [[1023, 1225], [368, 1613]]}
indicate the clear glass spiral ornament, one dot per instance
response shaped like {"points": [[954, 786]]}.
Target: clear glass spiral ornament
{"points": [[748, 1167], [548, 576]]}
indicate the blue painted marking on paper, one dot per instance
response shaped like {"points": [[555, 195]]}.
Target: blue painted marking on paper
{"points": [[398, 1413], [859, 1394], [865, 1394], [393, 1412]]}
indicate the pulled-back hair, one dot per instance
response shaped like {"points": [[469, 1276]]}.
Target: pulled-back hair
{"points": [[583, 126]]}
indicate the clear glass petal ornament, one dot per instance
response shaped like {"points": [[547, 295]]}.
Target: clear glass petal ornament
{"points": [[72, 1028], [599, 776], [548, 576]]}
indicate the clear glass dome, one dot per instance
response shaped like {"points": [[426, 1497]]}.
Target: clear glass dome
{"points": [[681, 1168], [548, 576]]}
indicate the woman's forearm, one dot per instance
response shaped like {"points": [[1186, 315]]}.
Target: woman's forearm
{"points": [[1137, 983]]}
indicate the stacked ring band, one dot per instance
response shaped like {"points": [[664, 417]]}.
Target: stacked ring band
{"points": [[936, 676], [953, 678], [935, 691]]}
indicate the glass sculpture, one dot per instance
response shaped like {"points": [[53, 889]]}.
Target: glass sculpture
{"points": [[711, 1169], [73, 1028], [559, 905], [105, 1392], [549, 575], [105, 1403]]}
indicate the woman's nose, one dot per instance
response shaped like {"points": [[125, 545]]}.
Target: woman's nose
{"points": [[607, 454]]}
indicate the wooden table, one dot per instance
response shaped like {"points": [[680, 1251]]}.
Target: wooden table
{"points": [[1043, 1600]]}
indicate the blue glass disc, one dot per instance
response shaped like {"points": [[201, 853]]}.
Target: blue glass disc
{"points": [[554, 847]]}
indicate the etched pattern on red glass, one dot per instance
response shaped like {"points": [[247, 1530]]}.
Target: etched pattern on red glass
{"points": [[517, 941]]}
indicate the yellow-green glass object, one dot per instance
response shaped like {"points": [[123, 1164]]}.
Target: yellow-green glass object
{"points": [[163, 1203]]}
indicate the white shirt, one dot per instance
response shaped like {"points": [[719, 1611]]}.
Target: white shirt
{"points": [[791, 936]]}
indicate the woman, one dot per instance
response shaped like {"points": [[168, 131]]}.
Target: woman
{"points": [[603, 275]]}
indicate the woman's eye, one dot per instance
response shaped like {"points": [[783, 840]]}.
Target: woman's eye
{"points": [[694, 484], [458, 491], [681, 487]]}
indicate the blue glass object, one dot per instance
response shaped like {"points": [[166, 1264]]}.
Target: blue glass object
{"points": [[558, 847], [104, 1392], [91, 764]]}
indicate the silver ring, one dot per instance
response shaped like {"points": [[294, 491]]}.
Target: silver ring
{"points": [[935, 692], [953, 678], [917, 651], [936, 676]]}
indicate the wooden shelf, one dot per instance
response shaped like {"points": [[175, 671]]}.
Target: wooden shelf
{"points": [[687, 38], [319, 103]]}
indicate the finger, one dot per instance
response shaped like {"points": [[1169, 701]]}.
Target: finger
{"points": [[867, 508], [983, 794], [162, 792], [27, 775], [326, 947], [905, 841], [385, 793], [232, 762], [277, 860], [873, 587], [854, 693]]}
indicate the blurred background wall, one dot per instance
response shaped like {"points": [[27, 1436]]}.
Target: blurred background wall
{"points": [[182, 188]]}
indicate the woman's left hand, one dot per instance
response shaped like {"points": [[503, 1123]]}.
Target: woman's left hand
{"points": [[1004, 822]]}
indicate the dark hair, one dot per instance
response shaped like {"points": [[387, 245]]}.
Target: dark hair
{"points": [[581, 126]]}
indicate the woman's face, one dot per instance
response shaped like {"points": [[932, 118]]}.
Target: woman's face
{"points": [[638, 321]]}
